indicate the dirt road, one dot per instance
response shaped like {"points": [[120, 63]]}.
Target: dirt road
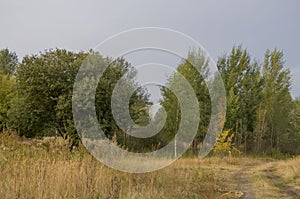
{"points": [[254, 180]]}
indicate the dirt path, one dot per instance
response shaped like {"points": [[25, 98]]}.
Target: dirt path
{"points": [[258, 180], [278, 182], [252, 178], [244, 186]]}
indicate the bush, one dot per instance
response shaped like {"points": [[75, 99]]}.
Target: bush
{"points": [[224, 146]]}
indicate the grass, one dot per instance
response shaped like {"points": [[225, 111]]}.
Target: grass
{"points": [[45, 169], [32, 168], [289, 171]]}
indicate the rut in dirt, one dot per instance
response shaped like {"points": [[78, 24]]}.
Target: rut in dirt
{"points": [[277, 181], [244, 185]]}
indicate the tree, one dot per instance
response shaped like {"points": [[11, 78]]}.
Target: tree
{"points": [[243, 84], [189, 69], [8, 61], [250, 98], [138, 104], [7, 84], [45, 89], [290, 140], [41, 81], [276, 96]]}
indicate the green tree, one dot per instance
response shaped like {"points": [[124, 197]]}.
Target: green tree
{"points": [[250, 98], [7, 84], [243, 85], [45, 88], [189, 69], [42, 81], [8, 61], [290, 139], [276, 97]]}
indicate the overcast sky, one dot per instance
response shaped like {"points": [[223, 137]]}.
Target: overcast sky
{"points": [[31, 26]]}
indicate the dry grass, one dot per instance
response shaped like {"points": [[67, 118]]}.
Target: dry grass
{"points": [[44, 169], [289, 170], [265, 185], [261, 183]]}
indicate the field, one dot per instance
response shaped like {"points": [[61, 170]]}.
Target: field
{"points": [[45, 169]]}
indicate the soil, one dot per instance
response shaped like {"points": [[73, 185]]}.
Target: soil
{"points": [[244, 185], [278, 182]]}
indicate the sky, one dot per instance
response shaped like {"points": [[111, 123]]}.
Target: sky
{"points": [[28, 27]]}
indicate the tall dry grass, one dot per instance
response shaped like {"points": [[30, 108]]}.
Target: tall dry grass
{"points": [[289, 170], [45, 169]]}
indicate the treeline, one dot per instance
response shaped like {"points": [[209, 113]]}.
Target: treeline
{"points": [[36, 94], [262, 117]]}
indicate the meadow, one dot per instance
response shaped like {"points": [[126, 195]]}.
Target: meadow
{"points": [[44, 168]]}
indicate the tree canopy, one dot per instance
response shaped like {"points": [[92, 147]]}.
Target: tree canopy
{"points": [[36, 99]]}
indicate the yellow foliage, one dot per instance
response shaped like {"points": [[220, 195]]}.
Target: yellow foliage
{"points": [[224, 145]]}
